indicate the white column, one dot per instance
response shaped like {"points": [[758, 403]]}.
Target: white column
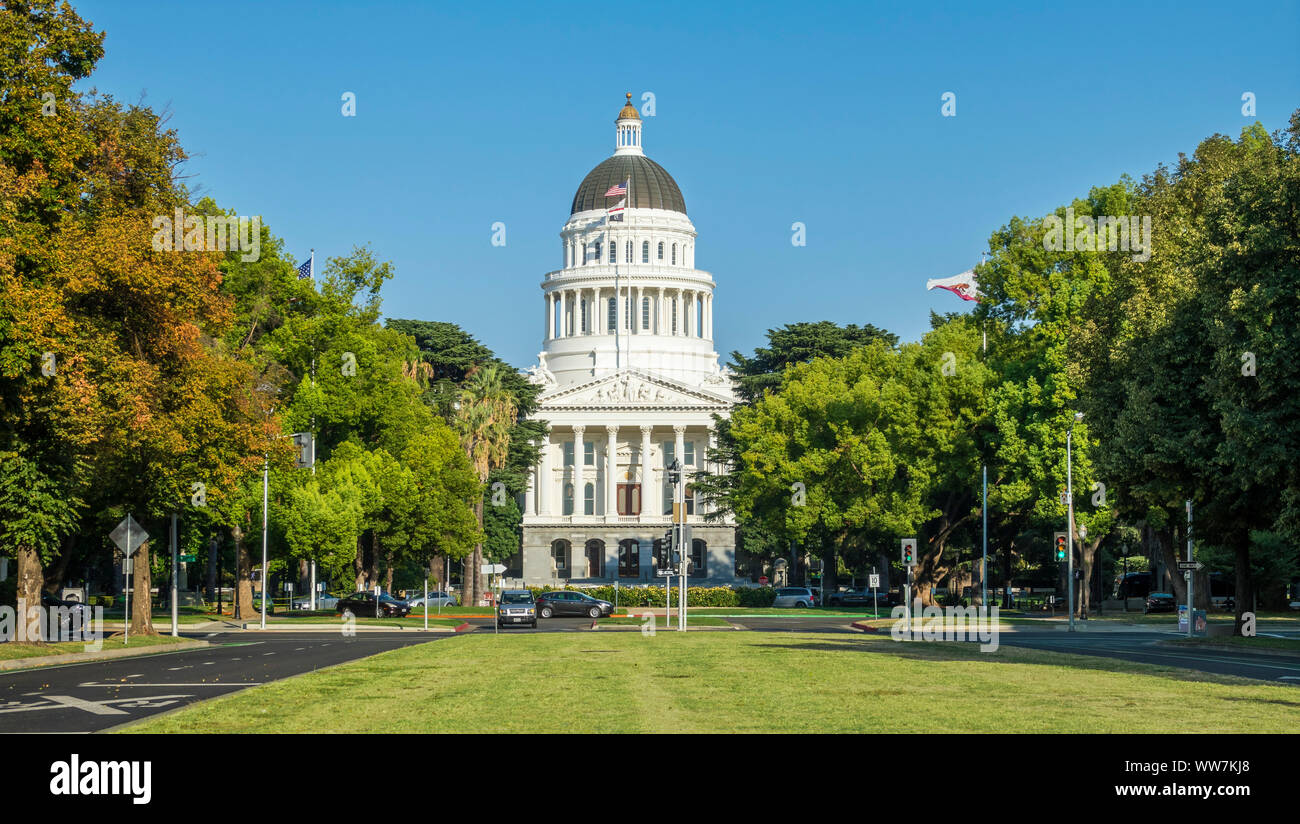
{"points": [[649, 494], [548, 330], [708, 312], [544, 477], [578, 497], [688, 328], [660, 329], [530, 494], [611, 466], [679, 446]]}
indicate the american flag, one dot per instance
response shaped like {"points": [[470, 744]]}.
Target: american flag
{"points": [[304, 271], [620, 189]]}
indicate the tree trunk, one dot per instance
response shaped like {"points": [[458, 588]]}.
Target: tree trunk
{"points": [[212, 571], [1167, 540], [142, 592], [1243, 590], [243, 576], [473, 574], [436, 561], [31, 580], [359, 564], [372, 568], [1087, 556]]}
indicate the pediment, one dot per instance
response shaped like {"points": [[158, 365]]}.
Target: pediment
{"points": [[630, 389]]}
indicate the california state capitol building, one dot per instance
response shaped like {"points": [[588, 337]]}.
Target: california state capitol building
{"points": [[630, 381]]}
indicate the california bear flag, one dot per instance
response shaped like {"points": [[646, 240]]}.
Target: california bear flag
{"points": [[963, 285]]}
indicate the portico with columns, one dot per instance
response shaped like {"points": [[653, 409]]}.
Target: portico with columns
{"points": [[631, 381]]}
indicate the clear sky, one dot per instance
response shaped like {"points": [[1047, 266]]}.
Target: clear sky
{"points": [[766, 114]]}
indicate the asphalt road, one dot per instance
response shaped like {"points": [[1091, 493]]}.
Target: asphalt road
{"points": [[1145, 647], [97, 695]]}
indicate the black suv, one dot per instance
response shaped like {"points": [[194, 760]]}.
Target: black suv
{"points": [[517, 607]]}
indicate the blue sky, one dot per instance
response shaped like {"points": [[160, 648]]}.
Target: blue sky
{"points": [[766, 114]]}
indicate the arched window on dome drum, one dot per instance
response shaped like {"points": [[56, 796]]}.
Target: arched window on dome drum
{"points": [[628, 252], [597, 253], [661, 250], [645, 313], [674, 302], [613, 316], [584, 316], [645, 251], [674, 254]]}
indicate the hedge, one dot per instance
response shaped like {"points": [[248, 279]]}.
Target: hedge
{"points": [[653, 596]]}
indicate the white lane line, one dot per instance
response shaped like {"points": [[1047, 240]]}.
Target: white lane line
{"points": [[199, 684], [268, 653]]}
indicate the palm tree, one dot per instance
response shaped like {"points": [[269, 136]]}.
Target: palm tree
{"points": [[485, 411]]}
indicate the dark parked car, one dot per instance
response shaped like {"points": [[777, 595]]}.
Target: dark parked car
{"points": [[566, 602], [364, 605], [856, 597], [1160, 602], [73, 617], [517, 607]]}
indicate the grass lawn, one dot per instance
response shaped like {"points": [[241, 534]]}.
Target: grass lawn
{"points": [[16, 650], [737, 682]]}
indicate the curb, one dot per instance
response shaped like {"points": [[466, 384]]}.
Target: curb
{"points": [[103, 655]]}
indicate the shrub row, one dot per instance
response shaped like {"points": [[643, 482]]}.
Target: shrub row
{"points": [[695, 596]]}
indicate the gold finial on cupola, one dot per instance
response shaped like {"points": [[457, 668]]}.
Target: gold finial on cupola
{"points": [[629, 111]]}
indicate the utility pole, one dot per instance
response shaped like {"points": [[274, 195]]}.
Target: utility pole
{"points": [[1069, 491], [1191, 574]]}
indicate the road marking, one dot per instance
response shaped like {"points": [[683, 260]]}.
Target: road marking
{"points": [[268, 653], [82, 704], [58, 702], [174, 669]]}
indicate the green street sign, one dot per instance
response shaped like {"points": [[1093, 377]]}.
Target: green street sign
{"points": [[188, 559]]}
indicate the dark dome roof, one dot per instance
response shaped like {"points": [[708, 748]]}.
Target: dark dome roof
{"points": [[652, 186]]}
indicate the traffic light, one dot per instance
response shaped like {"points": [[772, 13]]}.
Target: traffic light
{"points": [[909, 552], [675, 472], [302, 442], [1060, 546]]}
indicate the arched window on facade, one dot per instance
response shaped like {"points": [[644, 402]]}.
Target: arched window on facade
{"points": [[595, 558], [629, 558], [699, 559], [560, 557], [589, 499], [568, 499]]}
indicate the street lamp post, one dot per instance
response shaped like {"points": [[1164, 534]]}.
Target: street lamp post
{"points": [[1069, 492]]}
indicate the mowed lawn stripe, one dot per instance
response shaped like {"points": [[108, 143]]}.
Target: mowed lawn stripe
{"points": [[738, 681]]}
